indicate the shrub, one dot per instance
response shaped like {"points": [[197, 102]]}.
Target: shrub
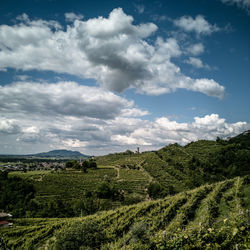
{"points": [[155, 190], [139, 232], [86, 235]]}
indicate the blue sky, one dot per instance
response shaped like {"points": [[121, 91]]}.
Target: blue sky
{"points": [[104, 76]]}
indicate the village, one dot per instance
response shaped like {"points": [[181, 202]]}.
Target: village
{"points": [[20, 166]]}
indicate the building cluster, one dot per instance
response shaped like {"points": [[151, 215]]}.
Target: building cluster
{"points": [[5, 220], [9, 167]]}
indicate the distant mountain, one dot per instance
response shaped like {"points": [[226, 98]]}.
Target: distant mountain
{"points": [[62, 153]]}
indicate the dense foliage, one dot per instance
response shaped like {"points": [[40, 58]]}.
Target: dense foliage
{"points": [[15, 194], [82, 166], [86, 235]]}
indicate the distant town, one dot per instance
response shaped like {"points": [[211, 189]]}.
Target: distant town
{"points": [[20, 166]]}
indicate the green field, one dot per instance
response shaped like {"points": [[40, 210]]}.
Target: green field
{"points": [[70, 185], [210, 217]]}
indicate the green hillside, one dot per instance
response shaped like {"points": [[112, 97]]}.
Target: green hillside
{"points": [[210, 217], [72, 192], [180, 168]]}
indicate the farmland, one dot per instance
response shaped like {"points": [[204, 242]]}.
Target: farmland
{"points": [[211, 216], [70, 186]]}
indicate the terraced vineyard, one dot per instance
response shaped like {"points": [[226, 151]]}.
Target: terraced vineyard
{"points": [[71, 186], [65, 185], [210, 217]]}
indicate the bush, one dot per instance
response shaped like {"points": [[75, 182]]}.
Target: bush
{"points": [[107, 191], [86, 235], [139, 232], [155, 190]]}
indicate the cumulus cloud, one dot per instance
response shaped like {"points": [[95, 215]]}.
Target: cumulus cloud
{"points": [[64, 99], [196, 62], [92, 120], [113, 51], [209, 87], [63, 114], [71, 17], [244, 4], [163, 131], [196, 49], [9, 126], [198, 24]]}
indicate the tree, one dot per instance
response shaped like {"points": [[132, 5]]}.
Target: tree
{"points": [[107, 191], [155, 190], [15, 194], [103, 191], [92, 164], [72, 164]]}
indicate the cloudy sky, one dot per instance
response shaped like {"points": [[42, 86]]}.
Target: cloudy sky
{"points": [[106, 76]]}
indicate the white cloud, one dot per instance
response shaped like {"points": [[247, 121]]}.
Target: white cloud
{"points": [[196, 62], [71, 17], [196, 49], [31, 130], [244, 4], [210, 87], [163, 131], [132, 112], [91, 120], [22, 77], [63, 99], [198, 24], [74, 143], [112, 50], [8, 126], [63, 114]]}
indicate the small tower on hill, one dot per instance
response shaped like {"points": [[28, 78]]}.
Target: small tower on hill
{"points": [[137, 150]]}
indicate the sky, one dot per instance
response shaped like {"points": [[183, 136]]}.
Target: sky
{"points": [[105, 76]]}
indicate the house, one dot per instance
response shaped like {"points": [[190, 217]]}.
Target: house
{"points": [[5, 220]]}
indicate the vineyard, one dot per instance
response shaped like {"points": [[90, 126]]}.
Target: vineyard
{"points": [[71, 186], [212, 216]]}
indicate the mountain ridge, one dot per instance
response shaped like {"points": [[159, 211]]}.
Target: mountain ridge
{"points": [[58, 153]]}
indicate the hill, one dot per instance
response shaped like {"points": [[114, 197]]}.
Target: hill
{"points": [[180, 168], [54, 154], [211, 217], [129, 178], [62, 153], [243, 138]]}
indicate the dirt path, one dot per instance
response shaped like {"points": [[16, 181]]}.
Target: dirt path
{"points": [[118, 172], [149, 176]]}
